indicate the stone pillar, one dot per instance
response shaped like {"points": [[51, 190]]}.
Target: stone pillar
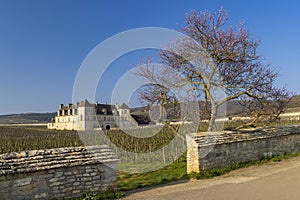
{"points": [[192, 154]]}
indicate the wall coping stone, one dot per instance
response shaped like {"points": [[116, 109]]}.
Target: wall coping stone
{"points": [[37, 160], [212, 138]]}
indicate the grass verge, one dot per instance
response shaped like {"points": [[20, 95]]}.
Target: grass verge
{"points": [[177, 171], [112, 194], [174, 172]]}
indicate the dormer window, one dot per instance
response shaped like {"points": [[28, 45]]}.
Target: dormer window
{"points": [[104, 111]]}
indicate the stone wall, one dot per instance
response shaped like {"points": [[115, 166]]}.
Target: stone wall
{"points": [[57, 173], [217, 150]]}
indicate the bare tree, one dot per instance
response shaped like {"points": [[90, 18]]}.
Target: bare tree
{"points": [[156, 94], [268, 107], [216, 57]]}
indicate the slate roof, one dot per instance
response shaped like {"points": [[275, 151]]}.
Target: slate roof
{"points": [[86, 103], [124, 106], [141, 119], [100, 109]]}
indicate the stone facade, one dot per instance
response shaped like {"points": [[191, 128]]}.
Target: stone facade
{"points": [[223, 149], [86, 116], [62, 173]]}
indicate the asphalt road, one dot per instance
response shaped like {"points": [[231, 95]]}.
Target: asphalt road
{"points": [[271, 181]]}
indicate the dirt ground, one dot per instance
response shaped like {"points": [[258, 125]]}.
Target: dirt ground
{"points": [[276, 180]]}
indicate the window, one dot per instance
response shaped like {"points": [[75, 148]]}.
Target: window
{"points": [[104, 111]]}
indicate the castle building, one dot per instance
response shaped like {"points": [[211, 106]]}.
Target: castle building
{"points": [[86, 116]]}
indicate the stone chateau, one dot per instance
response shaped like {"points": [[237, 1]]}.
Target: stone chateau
{"points": [[86, 116]]}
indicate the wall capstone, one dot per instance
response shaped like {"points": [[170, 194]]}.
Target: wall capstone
{"points": [[216, 150], [57, 173]]}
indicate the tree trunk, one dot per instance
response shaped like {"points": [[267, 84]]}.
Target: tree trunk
{"points": [[249, 124], [213, 116]]}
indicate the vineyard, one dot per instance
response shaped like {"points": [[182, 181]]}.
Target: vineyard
{"points": [[157, 152], [18, 138], [15, 139], [149, 145]]}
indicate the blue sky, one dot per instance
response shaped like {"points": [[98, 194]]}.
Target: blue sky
{"points": [[43, 43]]}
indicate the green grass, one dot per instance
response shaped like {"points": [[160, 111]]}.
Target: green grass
{"points": [[111, 194], [177, 171]]}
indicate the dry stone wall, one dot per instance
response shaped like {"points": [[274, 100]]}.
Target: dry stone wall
{"points": [[61, 173], [217, 150]]}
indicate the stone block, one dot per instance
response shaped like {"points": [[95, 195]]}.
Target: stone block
{"points": [[22, 182], [53, 180], [53, 173], [40, 196], [238, 147], [55, 184]]}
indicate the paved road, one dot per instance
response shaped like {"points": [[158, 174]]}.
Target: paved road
{"points": [[272, 181]]}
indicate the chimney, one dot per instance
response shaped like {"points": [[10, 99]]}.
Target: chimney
{"points": [[70, 105], [61, 106]]}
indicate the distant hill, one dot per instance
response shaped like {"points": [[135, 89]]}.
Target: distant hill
{"points": [[295, 102], [139, 113], [233, 108], [26, 118]]}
